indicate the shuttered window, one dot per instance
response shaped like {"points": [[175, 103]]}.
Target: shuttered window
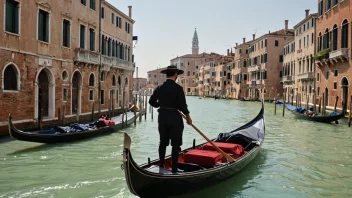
{"points": [[92, 4], [82, 36], [102, 13], [91, 39], [10, 78], [83, 2], [43, 26], [12, 17], [112, 18], [66, 28]]}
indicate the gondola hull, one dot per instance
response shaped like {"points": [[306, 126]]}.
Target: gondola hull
{"points": [[63, 137], [145, 183], [324, 119]]}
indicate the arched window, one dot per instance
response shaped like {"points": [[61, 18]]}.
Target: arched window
{"points": [[126, 81], [103, 45], [344, 34], [113, 48], [91, 80], [334, 37], [113, 80], [109, 47], [10, 78], [119, 80], [326, 39], [320, 42]]}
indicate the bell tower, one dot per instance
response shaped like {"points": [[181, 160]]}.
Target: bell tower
{"points": [[195, 43]]}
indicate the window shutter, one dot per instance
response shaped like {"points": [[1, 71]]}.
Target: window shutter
{"points": [[68, 30], [46, 18], [40, 25], [64, 36], [120, 23]]}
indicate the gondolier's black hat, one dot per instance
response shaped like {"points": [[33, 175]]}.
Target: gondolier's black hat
{"points": [[172, 68]]}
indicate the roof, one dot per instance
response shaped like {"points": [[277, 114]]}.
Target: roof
{"points": [[195, 35], [282, 32], [202, 55], [305, 19], [157, 70], [289, 40], [118, 11]]}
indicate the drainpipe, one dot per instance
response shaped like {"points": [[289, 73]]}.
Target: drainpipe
{"points": [[99, 71]]}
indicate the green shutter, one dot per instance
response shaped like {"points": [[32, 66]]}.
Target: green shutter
{"points": [[120, 22], [64, 35], [46, 17], [68, 33], [9, 16], [40, 25], [82, 34]]}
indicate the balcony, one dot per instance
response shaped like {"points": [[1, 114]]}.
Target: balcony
{"points": [[339, 55], [86, 56], [253, 83], [287, 79], [253, 68], [114, 62], [306, 76]]}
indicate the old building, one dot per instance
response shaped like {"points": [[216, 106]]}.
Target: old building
{"points": [[155, 77], [265, 60], [139, 83], [189, 63], [333, 57], [50, 59], [239, 70], [298, 68]]}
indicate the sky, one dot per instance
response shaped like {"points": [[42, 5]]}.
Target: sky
{"points": [[165, 28]]}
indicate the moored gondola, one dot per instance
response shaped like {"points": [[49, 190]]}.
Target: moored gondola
{"points": [[151, 180], [53, 136], [334, 117]]}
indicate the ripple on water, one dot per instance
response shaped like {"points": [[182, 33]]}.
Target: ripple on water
{"points": [[298, 158]]}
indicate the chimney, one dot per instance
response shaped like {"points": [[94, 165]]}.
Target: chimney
{"points": [[228, 52], [286, 25], [130, 11], [244, 40], [253, 37], [236, 44], [307, 13]]}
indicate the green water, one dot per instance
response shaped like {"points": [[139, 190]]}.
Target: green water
{"points": [[298, 158]]}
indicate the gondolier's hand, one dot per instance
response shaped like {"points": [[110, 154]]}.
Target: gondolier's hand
{"points": [[189, 120]]}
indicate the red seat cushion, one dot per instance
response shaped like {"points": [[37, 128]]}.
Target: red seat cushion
{"points": [[202, 157], [235, 149]]}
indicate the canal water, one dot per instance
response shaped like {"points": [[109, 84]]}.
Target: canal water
{"points": [[298, 158]]}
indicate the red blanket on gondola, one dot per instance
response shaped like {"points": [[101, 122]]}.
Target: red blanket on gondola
{"points": [[235, 149], [202, 157]]}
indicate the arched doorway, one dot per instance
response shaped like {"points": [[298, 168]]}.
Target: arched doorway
{"points": [[43, 94], [76, 92], [344, 86]]}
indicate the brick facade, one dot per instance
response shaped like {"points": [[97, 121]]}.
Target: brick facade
{"points": [[54, 77], [334, 55]]}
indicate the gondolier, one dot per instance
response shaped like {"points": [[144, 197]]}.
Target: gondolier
{"points": [[170, 98]]}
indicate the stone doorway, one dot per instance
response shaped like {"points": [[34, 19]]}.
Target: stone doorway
{"points": [[43, 94], [344, 96], [76, 92]]}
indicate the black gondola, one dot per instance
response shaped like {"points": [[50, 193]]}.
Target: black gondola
{"points": [[318, 118], [150, 180], [44, 137]]}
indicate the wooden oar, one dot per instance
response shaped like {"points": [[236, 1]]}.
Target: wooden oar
{"points": [[228, 157]]}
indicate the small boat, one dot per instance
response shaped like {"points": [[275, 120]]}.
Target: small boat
{"points": [[52, 136], [151, 180], [300, 113], [245, 99]]}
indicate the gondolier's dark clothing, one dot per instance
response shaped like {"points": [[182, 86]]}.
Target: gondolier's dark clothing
{"points": [[169, 97]]}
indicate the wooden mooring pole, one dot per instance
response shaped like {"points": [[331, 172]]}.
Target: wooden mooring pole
{"points": [[92, 118], [319, 102], [135, 110], [284, 105], [314, 102], [349, 115], [336, 100], [274, 106], [323, 111]]}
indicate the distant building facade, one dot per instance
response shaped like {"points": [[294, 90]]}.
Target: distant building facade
{"points": [[155, 77], [139, 83]]}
